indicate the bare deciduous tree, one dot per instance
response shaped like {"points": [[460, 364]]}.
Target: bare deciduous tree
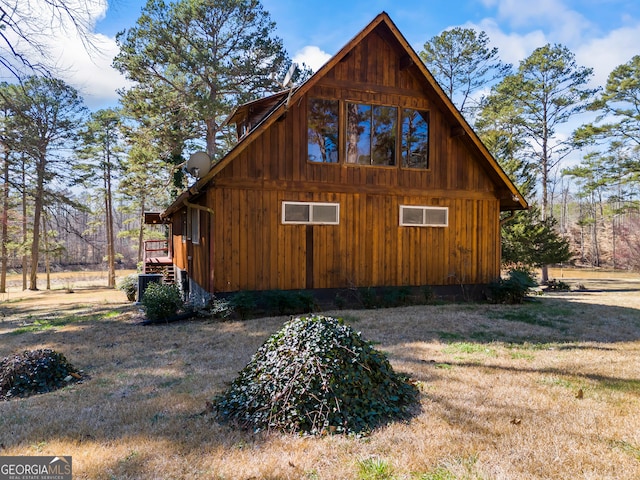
{"points": [[26, 25]]}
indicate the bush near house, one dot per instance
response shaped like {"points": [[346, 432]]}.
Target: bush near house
{"points": [[129, 285], [161, 301], [513, 289]]}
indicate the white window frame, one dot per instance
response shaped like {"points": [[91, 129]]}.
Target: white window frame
{"points": [[311, 220], [184, 224], [424, 209], [195, 226]]}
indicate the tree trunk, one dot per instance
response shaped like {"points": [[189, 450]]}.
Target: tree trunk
{"points": [[37, 214], [141, 231], [25, 259], [111, 254], [47, 260], [544, 273], [5, 221]]}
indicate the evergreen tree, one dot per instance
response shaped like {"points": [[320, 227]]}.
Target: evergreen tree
{"points": [[618, 107], [547, 90], [192, 62], [463, 64], [47, 115], [102, 146]]}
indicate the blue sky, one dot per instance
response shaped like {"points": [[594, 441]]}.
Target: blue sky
{"points": [[602, 33]]}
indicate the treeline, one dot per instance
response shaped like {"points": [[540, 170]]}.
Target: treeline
{"points": [[582, 185], [76, 183]]}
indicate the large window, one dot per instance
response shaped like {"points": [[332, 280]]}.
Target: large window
{"points": [[311, 213], [322, 130], [415, 138], [371, 134], [419, 216], [366, 134]]}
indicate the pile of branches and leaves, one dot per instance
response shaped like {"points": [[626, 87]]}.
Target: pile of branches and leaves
{"points": [[35, 371], [316, 376]]}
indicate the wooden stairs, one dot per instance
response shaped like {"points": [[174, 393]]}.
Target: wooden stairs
{"points": [[157, 260]]}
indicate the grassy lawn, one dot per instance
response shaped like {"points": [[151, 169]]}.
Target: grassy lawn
{"points": [[549, 389]]}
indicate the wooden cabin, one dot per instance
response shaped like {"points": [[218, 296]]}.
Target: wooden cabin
{"points": [[366, 175]]}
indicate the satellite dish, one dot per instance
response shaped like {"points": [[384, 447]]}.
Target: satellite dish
{"points": [[198, 164], [288, 78]]}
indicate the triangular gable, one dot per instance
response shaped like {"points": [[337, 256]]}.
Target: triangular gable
{"points": [[383, 23]]}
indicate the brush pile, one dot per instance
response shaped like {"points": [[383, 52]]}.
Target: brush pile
{"points": [[34, 371], [316, 376]]}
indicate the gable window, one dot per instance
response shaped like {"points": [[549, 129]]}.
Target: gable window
{"points": [[415, 138], [322, 130], [423, 216], [311, 213], [371, 134]]}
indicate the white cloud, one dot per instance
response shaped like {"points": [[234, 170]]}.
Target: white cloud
{"points": [[565, 23], [90, 71], [512, 47], [64, 48], [312, 56], [559, 23], [606, 53]]}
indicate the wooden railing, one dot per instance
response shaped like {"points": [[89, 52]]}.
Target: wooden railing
{"points": [[155, 249], [156, 256]]}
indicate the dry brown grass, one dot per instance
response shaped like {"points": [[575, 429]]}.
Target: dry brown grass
{"points": [[500, 388]]}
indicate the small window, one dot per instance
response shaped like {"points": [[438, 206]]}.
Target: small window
{"points": [[424, 216], [311, 213], [322, 130], [195, 226]]}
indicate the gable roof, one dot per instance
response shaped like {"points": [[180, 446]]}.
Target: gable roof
{"points": [[278, 104]]}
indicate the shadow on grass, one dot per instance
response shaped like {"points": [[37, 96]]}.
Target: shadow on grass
{"points": [[155, 380], [16, 321]]}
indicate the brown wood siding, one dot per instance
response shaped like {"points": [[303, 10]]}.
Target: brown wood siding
{"points": [[199, 253], [179, 252], [255, 251], [252, 250]]}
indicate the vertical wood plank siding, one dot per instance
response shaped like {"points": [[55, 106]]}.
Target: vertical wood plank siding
{"points": [[250, 248]]}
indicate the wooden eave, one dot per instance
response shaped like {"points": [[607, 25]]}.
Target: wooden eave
{"points": [[510, 197], [152, 218]]}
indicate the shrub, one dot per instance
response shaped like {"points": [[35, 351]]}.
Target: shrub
{"points": [[34, 371], [513, 289], [244, 303], [557, 286], [316, 375], [306, 301], [428, 295], [368, 297], [129, 285], [161, 301], [280, 302], [395, 296], [219, 308]]}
